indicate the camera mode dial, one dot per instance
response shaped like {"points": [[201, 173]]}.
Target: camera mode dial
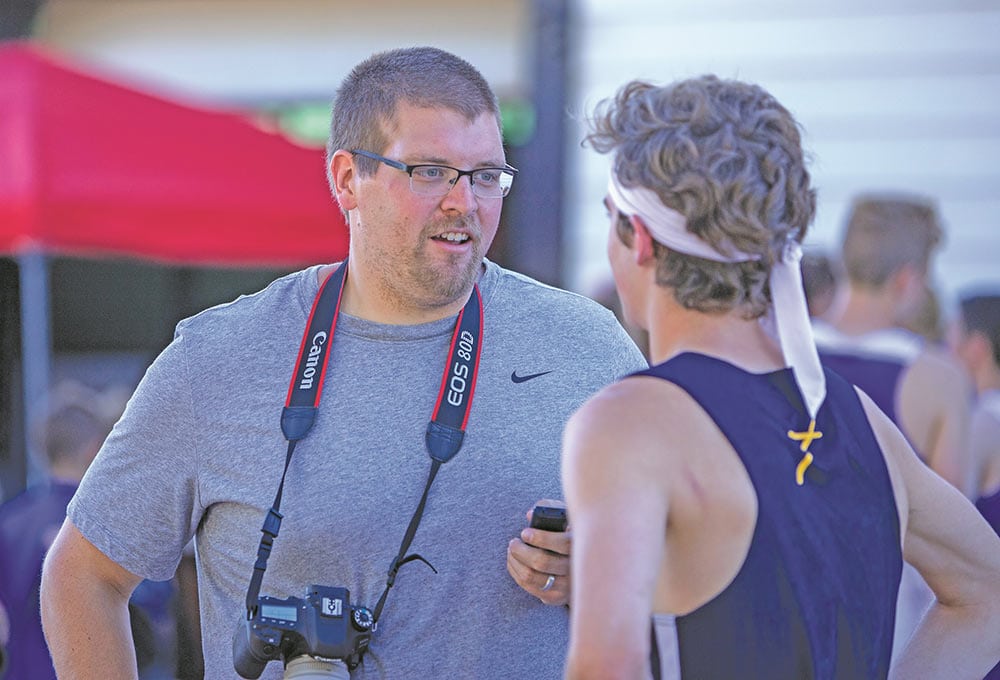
{"points": [[362, 619]]}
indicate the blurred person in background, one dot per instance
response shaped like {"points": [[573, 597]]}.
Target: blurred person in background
{"points": [[927, 320], [886, 253], [819, 278], [75, 425], [974, 337], [975, 340], [887, 248], [736, 484], [416, 161]]}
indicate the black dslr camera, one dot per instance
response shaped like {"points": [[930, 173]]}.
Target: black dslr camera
{"points": [[322, 625]]}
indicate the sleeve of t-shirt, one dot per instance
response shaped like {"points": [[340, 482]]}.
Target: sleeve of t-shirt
{"points": [[610, 346], [626, 356], [138, 502]]}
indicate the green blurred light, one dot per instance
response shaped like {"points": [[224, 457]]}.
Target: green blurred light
{"points": [[518, 118], [309, 122]]}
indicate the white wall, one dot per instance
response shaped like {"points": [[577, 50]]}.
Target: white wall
{"points": [[274, 50], [892, 94]]}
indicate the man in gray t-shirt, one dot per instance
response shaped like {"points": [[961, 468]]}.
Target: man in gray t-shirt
{"points": [[199, 452]]}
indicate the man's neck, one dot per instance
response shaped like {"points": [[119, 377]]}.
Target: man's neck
{"points": [[743, 342], [864, 311], [373, 304]]}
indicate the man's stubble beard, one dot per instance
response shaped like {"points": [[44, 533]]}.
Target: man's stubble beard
{"points": [[438, 283]]}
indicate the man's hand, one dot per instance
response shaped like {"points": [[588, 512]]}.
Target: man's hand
{"points": [[536, 556]]}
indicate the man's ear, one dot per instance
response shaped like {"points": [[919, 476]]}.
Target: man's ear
{"points": [[908, 280], [344, 175], [643, 241]]}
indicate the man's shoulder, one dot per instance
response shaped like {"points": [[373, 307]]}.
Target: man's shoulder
{"points": [[643, 398], [547, 316], [933, 370], [288, 292], [642, 419], [894, 345], [527, 294]]}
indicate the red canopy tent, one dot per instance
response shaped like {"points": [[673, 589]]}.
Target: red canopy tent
{"points": [[90, 167]]}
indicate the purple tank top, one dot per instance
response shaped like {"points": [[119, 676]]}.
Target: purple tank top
{"points": [[816, 595], [989, 506]]}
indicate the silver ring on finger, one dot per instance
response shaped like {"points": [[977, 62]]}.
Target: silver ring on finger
{"points": [[549, 582]]}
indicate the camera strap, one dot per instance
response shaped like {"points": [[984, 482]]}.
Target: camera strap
{"points": [[445, 431]]}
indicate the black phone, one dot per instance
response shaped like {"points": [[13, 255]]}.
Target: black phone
{"points": [[548, 518]]}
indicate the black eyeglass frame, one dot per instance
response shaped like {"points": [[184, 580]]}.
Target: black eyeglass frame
{"points": [[409, 169]]}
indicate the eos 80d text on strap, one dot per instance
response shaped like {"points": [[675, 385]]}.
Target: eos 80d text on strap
{"points": [[322, 635]]}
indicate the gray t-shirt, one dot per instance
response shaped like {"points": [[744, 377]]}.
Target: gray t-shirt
{"points": [[199, 452]]}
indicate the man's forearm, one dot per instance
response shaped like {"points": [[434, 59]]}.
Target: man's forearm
{"points": [[88, 631], [85, 615], [950, 642]]}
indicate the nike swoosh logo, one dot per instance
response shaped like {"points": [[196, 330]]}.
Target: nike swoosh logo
{"points": [[523, 378]]}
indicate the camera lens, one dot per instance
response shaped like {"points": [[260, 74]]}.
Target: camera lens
{"points": [[307, 668]]}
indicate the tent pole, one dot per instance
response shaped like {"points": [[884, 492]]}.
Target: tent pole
{"points": [[36, 350]]}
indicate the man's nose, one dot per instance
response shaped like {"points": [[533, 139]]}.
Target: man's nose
{"points": [[460, 196]]}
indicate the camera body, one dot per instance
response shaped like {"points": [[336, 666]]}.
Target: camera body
{"points": [[323, 625]]}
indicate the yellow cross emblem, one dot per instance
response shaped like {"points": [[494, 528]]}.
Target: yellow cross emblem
{"points": [[805, 440]]}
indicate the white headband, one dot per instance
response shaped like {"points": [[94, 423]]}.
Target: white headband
{"points": [[789, 315]]}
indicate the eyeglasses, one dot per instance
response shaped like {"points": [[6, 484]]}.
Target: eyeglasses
{"points": [[437, 180]]}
